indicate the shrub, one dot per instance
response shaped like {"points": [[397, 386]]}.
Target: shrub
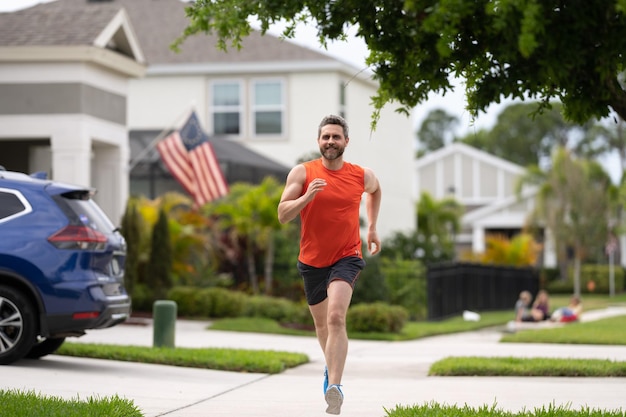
{"points": [[159, 266], [142, 297], [220, 302], [376, 317], [303, 315], [599, 274], [278, 309], [406, 283], [187, 301], [371, 286]]}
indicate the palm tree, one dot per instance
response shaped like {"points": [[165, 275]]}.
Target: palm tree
{"points": [[250, 213], [574, 202], [438, 220]]}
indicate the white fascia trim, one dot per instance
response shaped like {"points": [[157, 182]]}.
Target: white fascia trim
{"points": [[475, 215], [471, 152], [83, 53], [122, 20], [273, 67]]}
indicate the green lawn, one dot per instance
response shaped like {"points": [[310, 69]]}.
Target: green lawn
{"points": [[236, 360], [439, 410], [15, 403], [608, 331]]}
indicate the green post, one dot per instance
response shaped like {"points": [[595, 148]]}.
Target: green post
{"points": [[164, 322]]}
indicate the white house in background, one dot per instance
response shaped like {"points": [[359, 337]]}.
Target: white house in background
{"points": [[269, 96], [485, 185], [67, 105], [64, 74]]}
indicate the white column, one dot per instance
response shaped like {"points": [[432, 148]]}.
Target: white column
{"points": [[549, 250], [110, 179], [71, 156], [478, 239]]}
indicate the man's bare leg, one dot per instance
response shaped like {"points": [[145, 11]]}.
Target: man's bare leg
{"points": [[336, 349], [329, 317]]}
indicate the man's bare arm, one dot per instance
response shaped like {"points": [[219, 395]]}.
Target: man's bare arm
{"points": [[291, 202], [372, 207]]}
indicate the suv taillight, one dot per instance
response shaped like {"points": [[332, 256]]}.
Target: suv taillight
{"points": [[78, 238]]}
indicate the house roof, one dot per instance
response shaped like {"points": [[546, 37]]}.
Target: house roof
{"points": [[71, 23], [157, 24], [474, 153], [71, 30], [55, 23], [160, 22]]}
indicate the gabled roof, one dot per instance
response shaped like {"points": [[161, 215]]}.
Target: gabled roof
{"points": [[65, 30], [159, 22], [52, 24], [458, 147]]}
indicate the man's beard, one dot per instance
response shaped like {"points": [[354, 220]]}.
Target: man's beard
{"points": [[332, 152]]}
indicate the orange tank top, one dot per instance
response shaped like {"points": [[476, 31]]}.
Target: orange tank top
{"points": [[330, 223]]}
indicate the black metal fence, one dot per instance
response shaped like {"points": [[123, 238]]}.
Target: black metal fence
{"points": [[455, 287]]}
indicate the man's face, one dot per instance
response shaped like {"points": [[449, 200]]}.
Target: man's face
{"points": [[332, 143]]}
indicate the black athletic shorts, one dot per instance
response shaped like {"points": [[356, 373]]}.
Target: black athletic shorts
{"points": [[316, 280]]}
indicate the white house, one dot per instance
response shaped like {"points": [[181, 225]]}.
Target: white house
{"points": [[269, 96], [76, 76], [485, 186], [64, 74]]}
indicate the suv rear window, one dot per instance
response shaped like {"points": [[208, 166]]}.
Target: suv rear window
{"points": [[12, 204], [80, 209]]}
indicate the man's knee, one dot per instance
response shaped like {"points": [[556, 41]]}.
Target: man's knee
{"points": [[336, 319]]}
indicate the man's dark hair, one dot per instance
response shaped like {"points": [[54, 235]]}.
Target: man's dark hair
{"points": [[333, 120]]}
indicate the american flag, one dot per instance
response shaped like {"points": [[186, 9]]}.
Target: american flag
{"points": [[189, 156]]}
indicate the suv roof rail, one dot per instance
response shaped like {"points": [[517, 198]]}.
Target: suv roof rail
{"points": [[42, 175]]}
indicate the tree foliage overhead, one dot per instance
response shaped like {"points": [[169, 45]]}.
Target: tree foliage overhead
{"points": [[571, 51]]}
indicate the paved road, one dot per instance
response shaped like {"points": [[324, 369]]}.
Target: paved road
{"points": [[378, 375]]}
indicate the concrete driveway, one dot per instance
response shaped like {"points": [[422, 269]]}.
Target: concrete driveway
{"points": [[378, 375]]}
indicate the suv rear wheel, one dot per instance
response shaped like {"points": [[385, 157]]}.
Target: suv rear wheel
{"points": [[17, 325]]}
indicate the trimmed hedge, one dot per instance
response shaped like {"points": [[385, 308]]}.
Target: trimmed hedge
{"points": [[207, 302], [599, 274], [221, 303], [376, 317]]}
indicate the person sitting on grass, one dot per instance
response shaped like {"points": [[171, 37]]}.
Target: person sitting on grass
{"points": [[522, 307], [541, 307], [570, 313]]}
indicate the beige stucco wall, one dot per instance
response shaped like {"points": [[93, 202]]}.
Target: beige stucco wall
{"points": [[310, 95], [84, 149]]}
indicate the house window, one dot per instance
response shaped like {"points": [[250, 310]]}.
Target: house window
{"points": [[268, 107], [226, 108]]}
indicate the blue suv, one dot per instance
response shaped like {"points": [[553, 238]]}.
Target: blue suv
{"points": [[61, 266]]}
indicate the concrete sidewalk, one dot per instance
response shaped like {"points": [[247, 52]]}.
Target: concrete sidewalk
{"points": [[378, 375]]}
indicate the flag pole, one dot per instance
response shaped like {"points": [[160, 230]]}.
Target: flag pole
{"points": [[132, 164]]}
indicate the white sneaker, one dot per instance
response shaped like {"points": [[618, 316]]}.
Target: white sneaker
{"points": [[334, 399]]}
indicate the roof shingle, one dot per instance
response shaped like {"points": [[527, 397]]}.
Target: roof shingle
{"points": [[157, 23]]}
